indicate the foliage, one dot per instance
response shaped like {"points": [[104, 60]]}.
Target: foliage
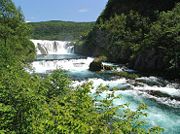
{"points": [[143, 7], [30, 104], [164, 34], [33, 104], [147, 39], [60, 30], [14, 33]]}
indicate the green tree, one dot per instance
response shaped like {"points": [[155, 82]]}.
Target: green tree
{"points": [[14, 32], [141, 34], [30, 103]]}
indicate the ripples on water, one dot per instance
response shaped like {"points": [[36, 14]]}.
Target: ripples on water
{"points": [[161, 96]]}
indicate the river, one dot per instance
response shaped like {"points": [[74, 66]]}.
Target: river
{"points": [[161, 96]]}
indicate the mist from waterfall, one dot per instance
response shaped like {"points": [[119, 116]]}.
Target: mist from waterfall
{"points": [[45, 47]]}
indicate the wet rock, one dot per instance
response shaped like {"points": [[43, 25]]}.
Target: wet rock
{"points": [[96, 66], [150, 60], [123, 87], [108, 68], [55, 46], [160, 94], [152, 81], [42, 49]]}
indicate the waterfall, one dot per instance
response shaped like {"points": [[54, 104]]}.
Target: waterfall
{"points": [[53, 47], [71, 49]]}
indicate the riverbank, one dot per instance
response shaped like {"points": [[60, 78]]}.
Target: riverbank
{"points": [[144, 39]]}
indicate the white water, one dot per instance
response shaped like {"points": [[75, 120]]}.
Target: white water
{"points": [[163, 110], [53, 47]]}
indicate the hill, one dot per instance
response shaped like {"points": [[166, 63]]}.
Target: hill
{"points": [[60, 30], [146, 8], [144, 34]]}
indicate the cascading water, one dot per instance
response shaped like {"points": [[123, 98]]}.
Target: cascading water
{"points": [[71, 49], [162, 97], [53, 47]]}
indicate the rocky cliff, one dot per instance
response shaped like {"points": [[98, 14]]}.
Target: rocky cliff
{"points": [[140, 33]]}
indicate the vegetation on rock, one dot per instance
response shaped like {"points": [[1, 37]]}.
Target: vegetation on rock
{"points": [[30, 104], [126, 75], [142, 34], [96, 66]]}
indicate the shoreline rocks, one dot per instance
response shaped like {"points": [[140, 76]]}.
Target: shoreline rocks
{"points": [[95, 66]]}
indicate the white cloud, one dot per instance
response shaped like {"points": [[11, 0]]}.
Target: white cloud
{"points": [[83, 10], [30, 19], [27, 21]]}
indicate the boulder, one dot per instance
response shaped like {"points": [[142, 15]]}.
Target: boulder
{"points": [[96, 66], [42, 49], [108, 68], [152, 81]]}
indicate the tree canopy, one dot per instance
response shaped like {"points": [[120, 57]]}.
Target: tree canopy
{"points": [[14, 33], [60, 30], [142, 34], [30, 103]]}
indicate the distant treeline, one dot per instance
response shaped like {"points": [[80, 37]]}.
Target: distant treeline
{"points": [[32, 104], [60, 30]]}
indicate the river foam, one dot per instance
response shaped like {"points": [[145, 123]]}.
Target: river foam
{"points": [[161, 96]]}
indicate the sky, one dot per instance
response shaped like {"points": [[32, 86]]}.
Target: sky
{"points": [[66, 10]]}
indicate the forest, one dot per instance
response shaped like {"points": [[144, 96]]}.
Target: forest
{"points": [[60, 30], [144, 35], [34, 104]]}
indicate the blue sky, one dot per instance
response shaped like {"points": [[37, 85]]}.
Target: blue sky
{"points": [[67, 10]]}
